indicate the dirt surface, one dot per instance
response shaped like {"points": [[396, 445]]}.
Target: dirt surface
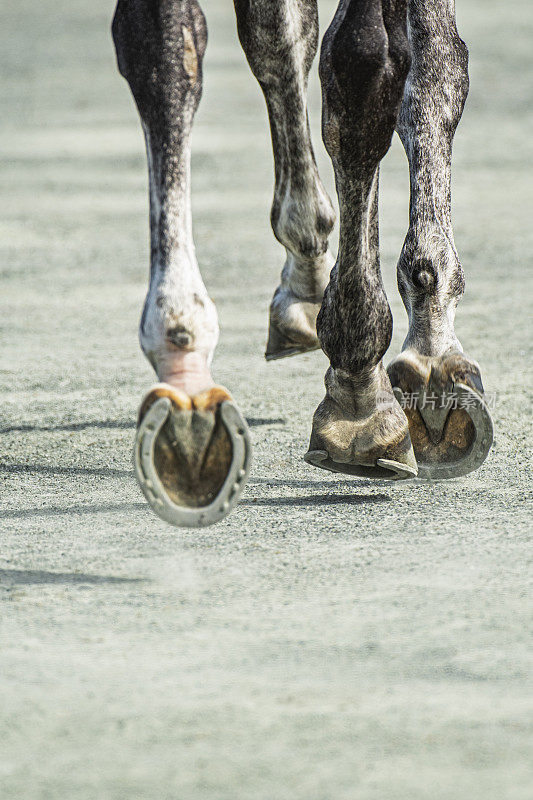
{"points": [[333, 639]]}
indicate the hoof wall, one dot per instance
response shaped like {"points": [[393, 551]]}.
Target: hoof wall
{"points": [[383, 469], [292, 326], [191, 459]]}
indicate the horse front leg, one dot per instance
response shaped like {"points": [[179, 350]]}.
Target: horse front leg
{"points": [[439, 386], [192, 448], [359, 428]]}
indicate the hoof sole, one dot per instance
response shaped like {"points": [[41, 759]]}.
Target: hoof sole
{"points": [[466, 440], [384, 468], [449, 421], [229, 419]]}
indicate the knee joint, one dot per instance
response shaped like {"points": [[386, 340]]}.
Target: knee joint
{"points": [[270, 43], [355, 60], [363, 74]]}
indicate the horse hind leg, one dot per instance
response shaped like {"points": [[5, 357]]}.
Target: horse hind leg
{"points": [[279, 38]]}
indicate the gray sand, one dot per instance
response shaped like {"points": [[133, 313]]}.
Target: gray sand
{"points": [[333, 639]]}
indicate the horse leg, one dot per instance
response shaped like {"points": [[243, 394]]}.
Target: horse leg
{"points": [[438, 385], [359, 428], [192, 447], [279, 38]]}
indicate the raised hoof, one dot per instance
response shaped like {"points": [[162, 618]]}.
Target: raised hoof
{"points": [[449, 422], [192, 455], [292, 326]]}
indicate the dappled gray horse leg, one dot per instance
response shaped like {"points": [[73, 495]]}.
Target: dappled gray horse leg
{"points": [[432, 373], [359, 427], [192, 450], [279, 38]]}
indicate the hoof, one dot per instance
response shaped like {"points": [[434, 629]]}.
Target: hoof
{"points": [[192, 455], [368, 437], [449, 422], [292, 326]]}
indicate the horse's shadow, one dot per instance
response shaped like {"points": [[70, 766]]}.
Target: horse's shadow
{"points": [[318, 500], [322, 499], [108, 424], [325, 498], [17, 577]]}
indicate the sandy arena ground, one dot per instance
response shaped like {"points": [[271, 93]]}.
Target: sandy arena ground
{"points": [[333, 639]]}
